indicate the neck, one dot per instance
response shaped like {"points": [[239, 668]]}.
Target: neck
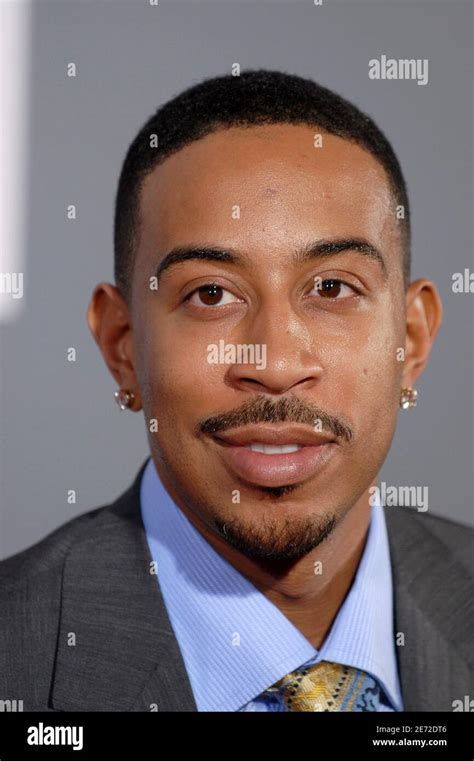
{"points": [[314, 588]]}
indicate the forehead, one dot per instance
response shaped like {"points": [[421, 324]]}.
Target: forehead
{"points": [[272, 181]]}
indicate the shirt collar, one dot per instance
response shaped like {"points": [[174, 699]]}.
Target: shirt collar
{"points": [[235, 643]]}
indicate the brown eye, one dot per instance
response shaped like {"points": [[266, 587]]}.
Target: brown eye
{"points": [[333, 289], [330, 288], [211, 294]]}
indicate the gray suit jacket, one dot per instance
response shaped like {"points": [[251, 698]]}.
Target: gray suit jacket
{"points": [[89, 582]]}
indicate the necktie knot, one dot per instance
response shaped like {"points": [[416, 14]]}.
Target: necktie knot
{"points": [[328, 686]]}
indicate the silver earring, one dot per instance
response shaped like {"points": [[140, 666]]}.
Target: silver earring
{"points": [[408, 398], [124, 398]]}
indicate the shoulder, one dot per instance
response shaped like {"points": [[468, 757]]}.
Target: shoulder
{"points": [[456, 537], [414, 532], [46, 558]]}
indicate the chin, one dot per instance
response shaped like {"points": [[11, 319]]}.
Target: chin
{"points": [[278, 537]]}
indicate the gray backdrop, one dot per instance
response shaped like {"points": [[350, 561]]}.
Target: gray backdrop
{"points": [[60, 427]]}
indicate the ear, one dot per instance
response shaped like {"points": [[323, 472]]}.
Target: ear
{"points": [[424, 313], [109, 321]]}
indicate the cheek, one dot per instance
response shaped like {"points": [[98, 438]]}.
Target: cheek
{"points": [[176, 377], [364, 372]]}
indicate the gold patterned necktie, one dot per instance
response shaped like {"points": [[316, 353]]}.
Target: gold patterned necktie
{"points": [[327, 686]]}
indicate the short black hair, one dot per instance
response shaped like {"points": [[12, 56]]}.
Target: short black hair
{"points": [[255, 97]]}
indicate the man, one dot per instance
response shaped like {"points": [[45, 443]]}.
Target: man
{"points": [[264, 321]]}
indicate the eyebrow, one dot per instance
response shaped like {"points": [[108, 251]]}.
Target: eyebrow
{"points": [[316, 249]]}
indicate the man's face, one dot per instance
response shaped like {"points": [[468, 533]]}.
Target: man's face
{"points": [[325, 377]]}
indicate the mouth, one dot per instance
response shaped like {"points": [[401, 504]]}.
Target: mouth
{"points": [[276, 455]]}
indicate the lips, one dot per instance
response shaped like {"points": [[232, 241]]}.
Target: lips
{"points": [[275, 455]]}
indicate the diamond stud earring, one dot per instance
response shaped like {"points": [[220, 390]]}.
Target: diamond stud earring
{"points": [[408, 397], [124, 398]]}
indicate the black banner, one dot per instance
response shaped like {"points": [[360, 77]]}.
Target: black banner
{"points": [[103, 735]]}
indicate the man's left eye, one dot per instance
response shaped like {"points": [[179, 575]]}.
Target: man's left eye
{"points": [[333, 289], [211, 295]]}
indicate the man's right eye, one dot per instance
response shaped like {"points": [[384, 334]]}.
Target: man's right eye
{"points": [[211, 295]]}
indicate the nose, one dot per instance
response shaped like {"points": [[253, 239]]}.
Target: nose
{"points": [[283, 353]]}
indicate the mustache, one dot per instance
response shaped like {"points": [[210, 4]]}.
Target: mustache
{"points": [[261, 409]]}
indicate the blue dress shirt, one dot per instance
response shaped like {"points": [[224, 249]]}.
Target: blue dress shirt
{"points": [[236, 643]]}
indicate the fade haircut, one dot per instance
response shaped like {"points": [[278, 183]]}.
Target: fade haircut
{"points": [[256, 97]]}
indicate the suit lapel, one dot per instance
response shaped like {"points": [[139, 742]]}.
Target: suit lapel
{"points": [[116, 648], [431, 595]]}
